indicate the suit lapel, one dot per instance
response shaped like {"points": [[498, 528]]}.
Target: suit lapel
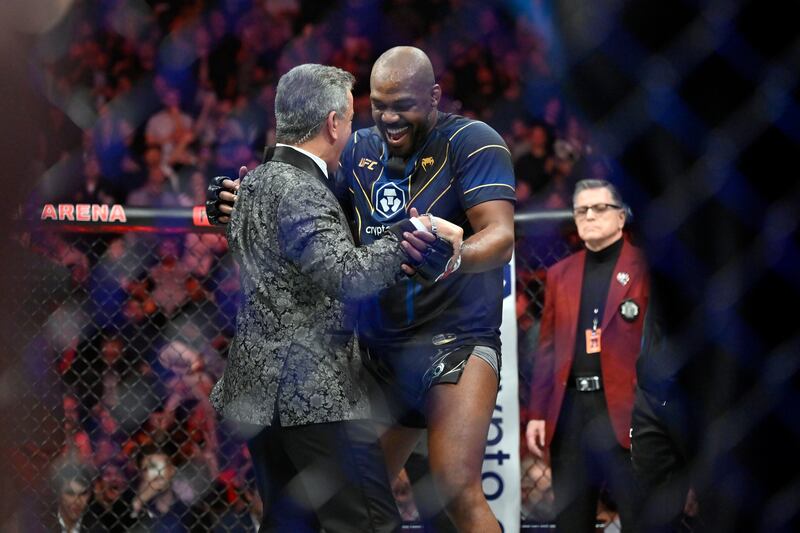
{"points": [[290, 156], [573, 280], [627, 263]]}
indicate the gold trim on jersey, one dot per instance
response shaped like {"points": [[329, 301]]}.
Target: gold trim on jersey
{"points": [[372, 189], [358, 216], [369, 201], [442, 194], [462, 127], [489, 146], [411, 201], [490, 185]]}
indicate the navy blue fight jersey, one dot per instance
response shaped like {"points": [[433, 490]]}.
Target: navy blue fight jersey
{"points": [[462, 163]]}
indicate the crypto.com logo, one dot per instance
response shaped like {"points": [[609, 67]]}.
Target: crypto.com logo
{"points": [[389, 200]]}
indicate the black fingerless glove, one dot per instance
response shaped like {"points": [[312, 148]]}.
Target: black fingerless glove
{"points": [[212, 199], [435, 260], [436, 257]]}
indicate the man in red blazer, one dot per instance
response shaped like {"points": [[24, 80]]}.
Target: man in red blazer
{"points": [[584, 370]]}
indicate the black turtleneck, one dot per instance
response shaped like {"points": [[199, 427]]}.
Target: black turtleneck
{"points": [[596, 279]]}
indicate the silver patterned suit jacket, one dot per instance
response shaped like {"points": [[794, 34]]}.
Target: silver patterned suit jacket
{"points": [[294, 350]]}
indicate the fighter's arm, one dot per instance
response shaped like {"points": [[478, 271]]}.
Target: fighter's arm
{"points": [[492, 243], [485, 178]]}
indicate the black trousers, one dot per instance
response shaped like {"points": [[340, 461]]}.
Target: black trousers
{"points": [[659, 450], [330, 476], [585, 458]]}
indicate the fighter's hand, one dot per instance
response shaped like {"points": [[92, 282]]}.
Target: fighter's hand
{"points": [[449, 232], [443, 228], [221, 195], [416, 246], [535, 436], [228, 195]]}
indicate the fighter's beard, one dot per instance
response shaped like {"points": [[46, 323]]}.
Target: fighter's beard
{"points": [[396, 166]]}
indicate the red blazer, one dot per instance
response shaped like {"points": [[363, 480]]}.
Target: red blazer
{"points": [[621, 340]]}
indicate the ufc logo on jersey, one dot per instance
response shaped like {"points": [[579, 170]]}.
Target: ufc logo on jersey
{"points": [[369, 163]]}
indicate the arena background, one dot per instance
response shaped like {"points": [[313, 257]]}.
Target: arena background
{"points": [[691, 108]]}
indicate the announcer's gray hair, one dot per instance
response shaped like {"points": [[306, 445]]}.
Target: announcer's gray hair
{"points": [[583, 185], [304, 98]]}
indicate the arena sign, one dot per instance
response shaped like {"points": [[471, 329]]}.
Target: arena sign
{"points": [[84, 213], [120, 218]]}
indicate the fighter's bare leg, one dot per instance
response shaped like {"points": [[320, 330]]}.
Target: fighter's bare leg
{"points": [[458, 422]]}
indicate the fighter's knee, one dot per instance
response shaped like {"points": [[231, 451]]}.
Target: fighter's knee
{"points": [[456, 483], [465, 502]]}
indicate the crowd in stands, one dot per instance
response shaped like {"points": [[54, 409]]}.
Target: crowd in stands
{"points": [[148, 100]]}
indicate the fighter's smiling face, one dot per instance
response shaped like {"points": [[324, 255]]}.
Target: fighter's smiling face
{"points": [[404, 113]]}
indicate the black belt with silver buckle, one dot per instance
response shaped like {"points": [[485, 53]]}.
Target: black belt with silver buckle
{"points": [[588, 383]]}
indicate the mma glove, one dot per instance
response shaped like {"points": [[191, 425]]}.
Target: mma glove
{"points": [[212, 200], [438, 260]]}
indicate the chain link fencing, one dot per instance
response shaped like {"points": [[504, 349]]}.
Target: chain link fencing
{"points": [[128, 329]]}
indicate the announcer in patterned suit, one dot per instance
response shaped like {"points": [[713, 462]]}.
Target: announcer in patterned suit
{"points": [[294, 371]]}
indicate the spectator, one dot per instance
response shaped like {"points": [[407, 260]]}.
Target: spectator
{"points": [[237, 508], [202, 252], [401, 490], [77, 445], [94, 188], [97, 370], [533, 169], [556, 195], [169, 278], [171, 129], [155, 506], [72, 482], [112, 497], [56, 247], [553, 114], [190, 387], [112, 143], [109, 282], [158, 189]]}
